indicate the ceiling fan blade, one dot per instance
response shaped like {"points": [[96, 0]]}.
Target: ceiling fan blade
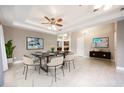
{"points": [[58, 24], [59, 20], [47, 18], [44, 23]]}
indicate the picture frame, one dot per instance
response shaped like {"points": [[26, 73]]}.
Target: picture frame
{"points": [[101, 42], [33, 43]]}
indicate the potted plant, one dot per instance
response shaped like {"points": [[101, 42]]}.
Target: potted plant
{"points": [[52, 49], [9, 51]]}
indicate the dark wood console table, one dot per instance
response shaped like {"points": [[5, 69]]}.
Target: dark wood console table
{"points": [[100, 54]]}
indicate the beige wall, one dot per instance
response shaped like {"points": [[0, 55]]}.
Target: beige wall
{"points": [[120, 44], [19, 39], [106, 30]]}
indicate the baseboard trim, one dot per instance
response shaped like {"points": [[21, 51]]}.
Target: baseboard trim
{"points": [[82, 56], [120, 68], [18, 61], [112, 60], [86, 56]]}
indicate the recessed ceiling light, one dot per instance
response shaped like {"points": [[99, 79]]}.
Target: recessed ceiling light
{"points": [[97, 7], [107, 7]]}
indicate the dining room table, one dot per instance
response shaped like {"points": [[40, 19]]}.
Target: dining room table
{"points": [[41, 56], [48, 55]]}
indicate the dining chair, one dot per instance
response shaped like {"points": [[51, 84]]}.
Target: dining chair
{"points": [[56, 62], [28, 61], [69, 59]]}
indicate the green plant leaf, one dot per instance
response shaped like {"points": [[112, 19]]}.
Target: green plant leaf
{"points": [[9, 49]]}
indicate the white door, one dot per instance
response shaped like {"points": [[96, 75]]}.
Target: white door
{"points": [[80, 46]]}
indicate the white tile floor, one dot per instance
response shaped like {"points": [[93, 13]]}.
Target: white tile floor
{"points": [[88, 72]]}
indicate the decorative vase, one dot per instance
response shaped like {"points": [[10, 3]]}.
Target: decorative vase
{"points": [[10, 60], [52, 50]]}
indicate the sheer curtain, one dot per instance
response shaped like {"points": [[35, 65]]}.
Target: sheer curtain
{"points": [[3, 51]]}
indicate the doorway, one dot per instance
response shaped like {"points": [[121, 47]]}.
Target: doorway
{"points": [[80, 46]]}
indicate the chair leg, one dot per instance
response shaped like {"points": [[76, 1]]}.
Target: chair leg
{"points": [[26, 72], [63, 71], [65, 64], [55, 74], [69, 66], [39, 69], [73, 64], [47, 70]]}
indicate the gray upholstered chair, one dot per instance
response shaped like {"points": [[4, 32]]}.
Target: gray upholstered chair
{"points": [[29, 62], [56, 62], [69, 59]]}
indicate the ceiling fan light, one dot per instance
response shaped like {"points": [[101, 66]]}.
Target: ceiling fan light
{"points": [[53, 27], [49, 28]]}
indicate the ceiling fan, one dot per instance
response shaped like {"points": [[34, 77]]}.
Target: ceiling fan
{"points": [[54, 21]]}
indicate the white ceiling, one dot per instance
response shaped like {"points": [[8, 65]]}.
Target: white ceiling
{"points": [[74, 17]]}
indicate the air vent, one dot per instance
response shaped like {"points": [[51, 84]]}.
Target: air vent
{"points": [[122, 9]]}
